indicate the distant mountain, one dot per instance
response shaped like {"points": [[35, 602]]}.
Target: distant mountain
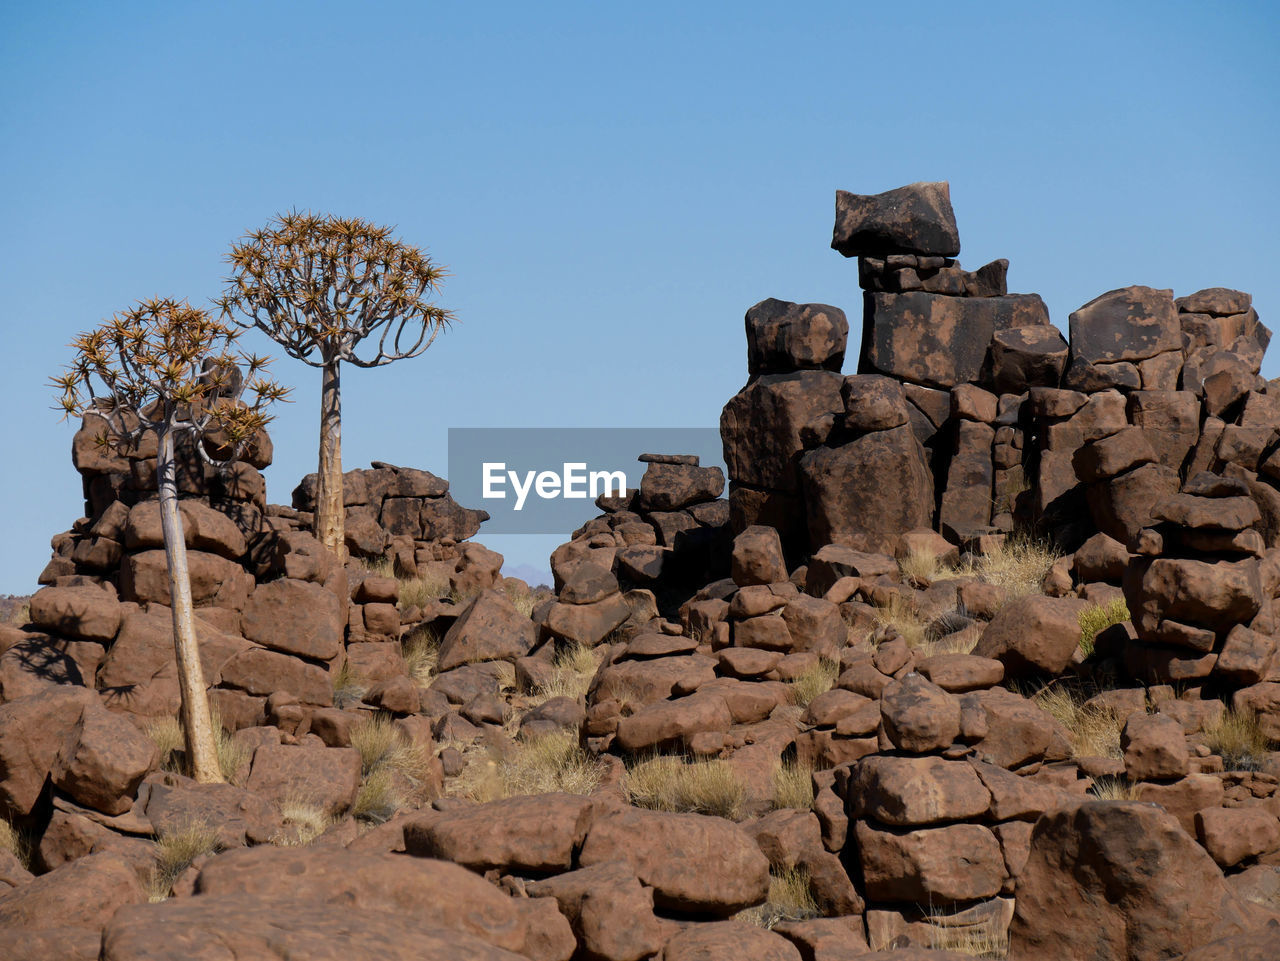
{"points": [[529, 574]]}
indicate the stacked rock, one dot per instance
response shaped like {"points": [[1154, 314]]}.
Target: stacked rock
{"points": [[400, 511], [669, 537], [1200, 595]]}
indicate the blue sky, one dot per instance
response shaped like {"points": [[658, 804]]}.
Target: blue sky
{"points": [[610, 186]]}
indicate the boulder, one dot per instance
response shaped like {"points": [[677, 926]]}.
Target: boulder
{"points": [[596, 900], [1033, 634], [959, 862], [489, 629], [587, 624], [939, 341], [1022, 358], [262, 672], [729, 939], [873, 402], [109, 759], [296, 617], [37, 738], [783, 337], [1173, 894], [537, 834], [1130, 324], [757, 557], [324, 777], [673, 723], [695, 864], [87, 613], [670, 487], [847, 501], [83, 894], [1234, 835], [915, 791], [915, 219], [1154, 748], [919, 716]]}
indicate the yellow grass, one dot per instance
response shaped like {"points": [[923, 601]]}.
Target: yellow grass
{"points": [[982, 941], [1238, 738], [1114, 789], [817, 680], [421, 652], [571, 673], [793, 785], [1096, 618], [175, 851], [1019, 565], [902, 617], [348, 686], [790, 899], [674, 783], [540, 765], [16, 842], [1094, 731], [168, 735], [303, 822], [391, 766]]}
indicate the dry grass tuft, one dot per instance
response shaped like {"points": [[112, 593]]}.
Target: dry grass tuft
{"points": [[348, 687], [1094, 731], [168, 735], [1114, 789], [1019, 565], [674, 783], [1239, 739], [540, 765], [793, 785], [573, 669], [979, 941], [16, 842], [790, 899], [921, 568], [901, 616], [303, 822], [421, 591], [175, 852], [421, 652], [1097, 618], [391, 768], [817, 680]]}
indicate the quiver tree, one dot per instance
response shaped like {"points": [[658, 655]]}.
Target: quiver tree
{"points": [[330, 290], [167, 367]]}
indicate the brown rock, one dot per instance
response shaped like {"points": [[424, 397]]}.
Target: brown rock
{"points": [[588, 624], [960, 862], [262, 672], [1173, 892], [915, 219], [670, 487], [695, 864], [1233, 835], [919, 716], [537, 834], [783, 337], [109, 759], [757, 557], [729, 939], [1154, 748], [873, 402], [959, 673], [674, 723], [1033, 634], [489, 629], [913, 791], [325, 777], [84, 894], [594, 899], [296, 617], [88, 613]]}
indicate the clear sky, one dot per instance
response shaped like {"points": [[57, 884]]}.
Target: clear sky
{"points": [[611, 185]]}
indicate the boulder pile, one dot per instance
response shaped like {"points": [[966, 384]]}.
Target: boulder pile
{"points": [[976, 658]]}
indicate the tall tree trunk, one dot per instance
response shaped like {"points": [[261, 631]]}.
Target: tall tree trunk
{"points": [[330, 521], [202, 751]]}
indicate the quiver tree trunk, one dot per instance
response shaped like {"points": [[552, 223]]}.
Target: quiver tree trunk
{"points": [[330, 521], [197, 722]]}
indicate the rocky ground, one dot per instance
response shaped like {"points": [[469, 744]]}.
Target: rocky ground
{"points": [[976, 659]]}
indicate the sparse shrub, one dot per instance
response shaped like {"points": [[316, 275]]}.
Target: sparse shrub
{"points": [[421, 651], [790, 899], [817, 680], [1094, 730], [1018, 565], [391, 767], [421, 591], [1096, 618], [175, 851], [987, 940], [379, 566], [303, 822], [523, 598], [348, 686], [540, 765], [673, 783], [1114, 789], [168, 736], [901, 616], [574, 667], [793, 785], [1239, 739]]}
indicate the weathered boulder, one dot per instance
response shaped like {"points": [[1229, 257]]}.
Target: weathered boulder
{"points": [[84, 894], [919, 716], [489, 629], [88, 613], [915, 791], [537, 834], [695, 864], [594, 899], [1033, 634], [729, 939], [959, 862], [296, 617], [761, 425], [847, 501], [1154, 748], [674, 723], [1130, 324], [670, 487], [757, 557], [915, 219], [324, 777], [782, 337], [1171, 894]]}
